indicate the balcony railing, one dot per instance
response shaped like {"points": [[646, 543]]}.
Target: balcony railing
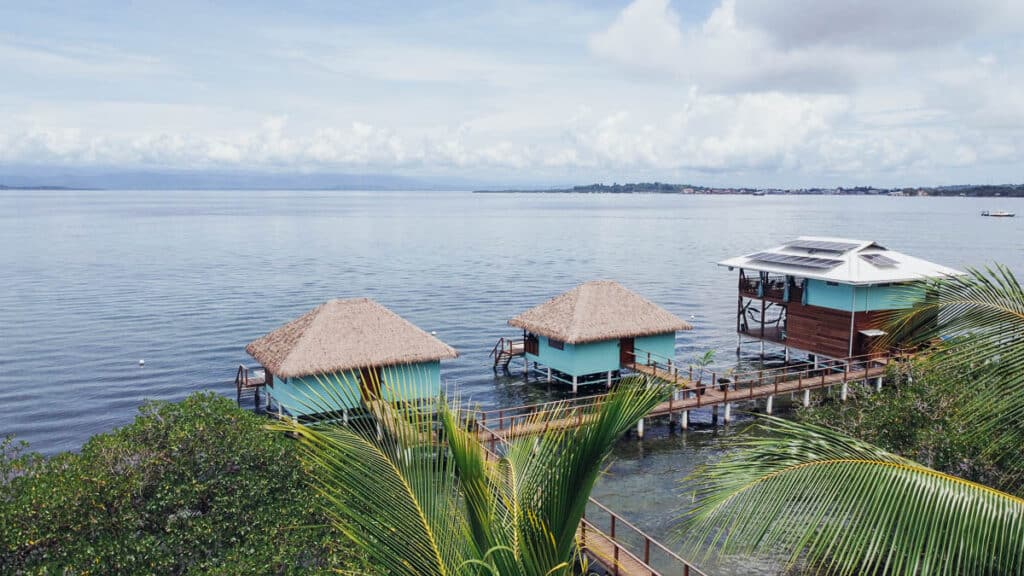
{"points": [[774, 289]]}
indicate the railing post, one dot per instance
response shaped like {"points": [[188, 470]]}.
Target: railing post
{"points": [[647, 551], [501, 419]]}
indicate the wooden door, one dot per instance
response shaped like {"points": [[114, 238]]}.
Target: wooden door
{"points": [[626, 352], [369, 383]]}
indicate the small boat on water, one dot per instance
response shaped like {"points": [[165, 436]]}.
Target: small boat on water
{"points": [[998, 214]]}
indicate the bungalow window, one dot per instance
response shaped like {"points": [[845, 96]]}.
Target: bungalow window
{"points": [[556, 344]]}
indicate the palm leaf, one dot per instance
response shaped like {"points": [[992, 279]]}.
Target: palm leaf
{"points": [[422, 496], [842, 506], [981, 317], [383, 480]]}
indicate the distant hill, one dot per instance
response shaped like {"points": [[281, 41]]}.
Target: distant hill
{"points": [[86, 178], [2, 187]]}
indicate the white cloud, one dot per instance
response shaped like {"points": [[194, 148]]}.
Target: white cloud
{"points": [[752, 92]]}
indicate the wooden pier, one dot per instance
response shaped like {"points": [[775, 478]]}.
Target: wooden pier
{"points": [[691, 392], [637, 554]]}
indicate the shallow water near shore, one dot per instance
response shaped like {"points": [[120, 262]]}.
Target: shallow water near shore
{"points": [[96, 281]]}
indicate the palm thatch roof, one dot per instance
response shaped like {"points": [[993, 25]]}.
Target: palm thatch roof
{"points": [[598, 310], [343, 335]]}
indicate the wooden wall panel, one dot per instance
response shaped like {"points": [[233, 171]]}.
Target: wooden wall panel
{"points": [[826, 331]]}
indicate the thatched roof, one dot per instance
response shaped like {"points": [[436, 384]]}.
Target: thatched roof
{"points": [[599, 310], [342, 335]]}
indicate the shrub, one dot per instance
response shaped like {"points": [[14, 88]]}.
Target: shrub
{"points": [[197, 487]]}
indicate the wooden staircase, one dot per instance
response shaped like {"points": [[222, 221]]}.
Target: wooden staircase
{"points": [[249, 384], [505, 350]]}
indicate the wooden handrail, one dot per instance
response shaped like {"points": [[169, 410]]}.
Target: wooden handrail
{"points": [[500, 345]]}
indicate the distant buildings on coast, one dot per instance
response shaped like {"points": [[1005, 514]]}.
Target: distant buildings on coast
{"points": [[1005, 190]]}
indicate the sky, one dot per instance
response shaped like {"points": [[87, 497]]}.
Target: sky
{"points": [[771, 93]]}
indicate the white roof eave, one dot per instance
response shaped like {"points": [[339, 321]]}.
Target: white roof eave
{"points": [[746, 264]]}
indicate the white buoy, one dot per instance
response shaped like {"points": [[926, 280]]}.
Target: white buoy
{"points": [[433, 332], [142, 362]]}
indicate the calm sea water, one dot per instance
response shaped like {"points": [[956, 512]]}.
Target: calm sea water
{"points": [[95, 281]]}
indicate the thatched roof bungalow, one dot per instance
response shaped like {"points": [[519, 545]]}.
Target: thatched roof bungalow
{"points": [[594, 330], [358, 342]]}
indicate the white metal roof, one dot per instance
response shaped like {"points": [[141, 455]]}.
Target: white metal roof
{"points": [[843, 260]]}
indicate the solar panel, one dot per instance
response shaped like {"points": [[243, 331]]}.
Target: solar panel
{"points": [[880, 260], [791, 260], [822, 246]]}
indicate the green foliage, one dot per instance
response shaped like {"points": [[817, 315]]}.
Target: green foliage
{"points": [[918, 416], [421, 507], [196, 487]]}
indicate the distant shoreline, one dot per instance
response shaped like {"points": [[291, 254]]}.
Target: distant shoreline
{"points": [[970, 191]]}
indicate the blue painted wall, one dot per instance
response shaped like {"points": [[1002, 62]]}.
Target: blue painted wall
{"points": [[305, 395], [596, 357], [841, 296], [661, 347], [412, 381], [578, 359]]}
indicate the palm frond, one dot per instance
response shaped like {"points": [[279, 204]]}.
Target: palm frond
{"points": [[417, 490], [980, 317], [384, 479], [842, 506]]}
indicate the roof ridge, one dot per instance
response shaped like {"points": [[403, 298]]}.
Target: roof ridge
{"points": [[316, 315], [583, 296]]}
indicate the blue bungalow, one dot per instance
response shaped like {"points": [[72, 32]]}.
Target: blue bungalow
{"points": [[825, 296], [371, 351], [590, 333]]}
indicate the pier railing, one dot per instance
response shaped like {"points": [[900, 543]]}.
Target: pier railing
{"points": [[742, 385], [632, 542]]}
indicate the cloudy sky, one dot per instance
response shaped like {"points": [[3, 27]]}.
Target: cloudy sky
{"points": [[731, 92]]}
